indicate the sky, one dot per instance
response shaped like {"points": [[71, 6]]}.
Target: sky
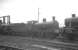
{"points": [[25, 10]]}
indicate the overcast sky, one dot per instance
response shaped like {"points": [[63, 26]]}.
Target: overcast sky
{"points": [[24, 10]]}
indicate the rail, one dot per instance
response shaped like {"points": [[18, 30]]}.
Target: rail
{"points": [[19, 42]]}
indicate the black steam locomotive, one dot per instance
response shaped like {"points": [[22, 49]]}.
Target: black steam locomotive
{"points": [[47, 30], [70, 31], [32, 29]]}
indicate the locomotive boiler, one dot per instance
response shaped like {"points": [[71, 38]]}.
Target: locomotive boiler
{"points": [[37, 30]]}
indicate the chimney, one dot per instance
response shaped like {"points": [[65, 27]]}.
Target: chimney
{"points": [[44, 19], [73, 15], [8, 19], [3, 19], [53, 18], [0, 21]]}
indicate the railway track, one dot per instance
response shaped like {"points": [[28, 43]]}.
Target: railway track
{"points": [[23, 43], [8, 48]]}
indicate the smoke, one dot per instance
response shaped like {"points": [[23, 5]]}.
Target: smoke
{"points": [[4, 1]]}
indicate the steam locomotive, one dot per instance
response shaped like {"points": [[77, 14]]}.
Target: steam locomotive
{"points": [[70, 31], [32, 29], [47, 30]]}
